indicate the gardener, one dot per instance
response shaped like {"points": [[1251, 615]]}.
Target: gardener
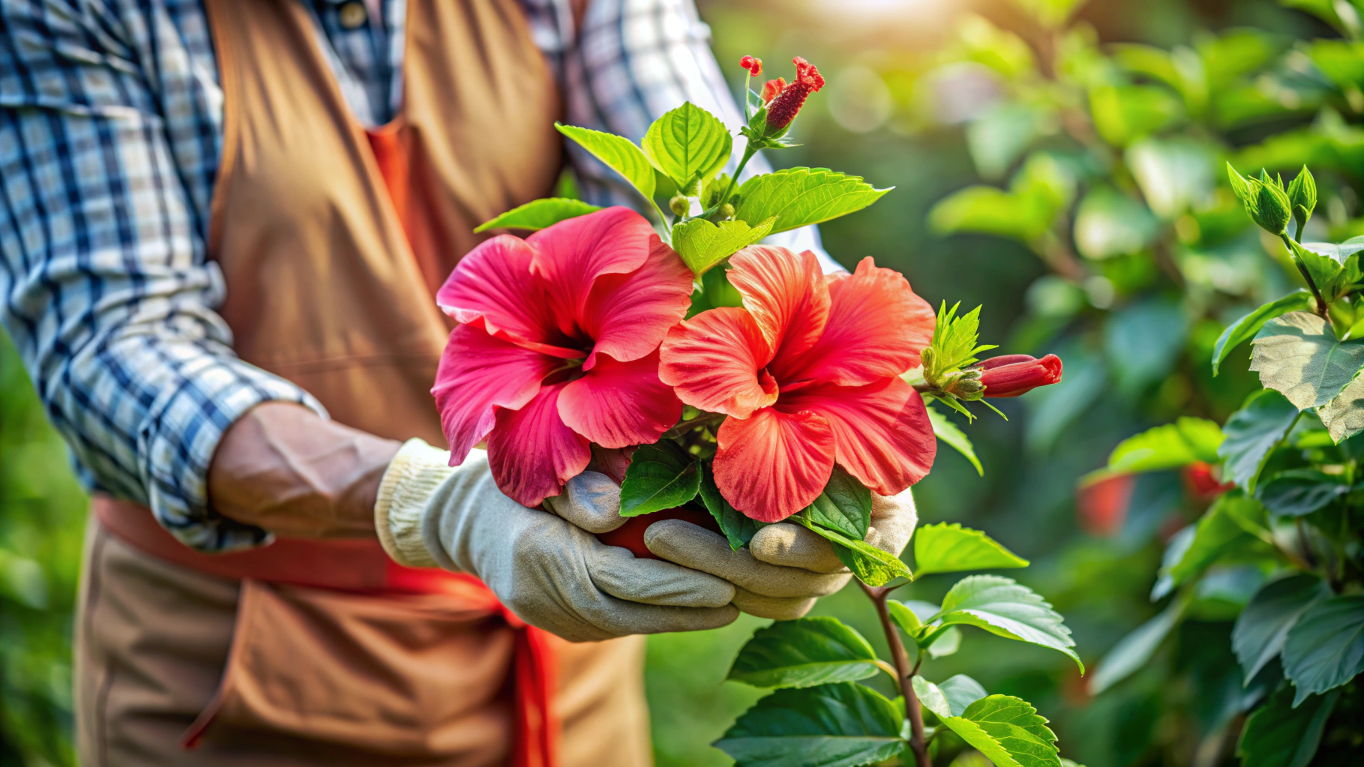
{"points": [[225, 222]]}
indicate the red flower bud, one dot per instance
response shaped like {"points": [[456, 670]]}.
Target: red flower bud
{"points": [[1013, 374], [771, 88], [1202, 483], [753, 64], [787, 104]]}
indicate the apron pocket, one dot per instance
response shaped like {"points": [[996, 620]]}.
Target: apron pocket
{"points": [[392, 674]]}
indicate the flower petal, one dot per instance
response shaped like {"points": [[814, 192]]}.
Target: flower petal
{"points": [[773, 464], [492, 287], [532, 453], [571, 255], [618, 404], [714, 359], [877, 327], [882, 431], [787, 296], [629, 314]]}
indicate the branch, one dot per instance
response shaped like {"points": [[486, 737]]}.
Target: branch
{"points": [[913, 711]]}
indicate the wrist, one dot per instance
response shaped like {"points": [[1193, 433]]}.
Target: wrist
{"points": [[409, 482]]}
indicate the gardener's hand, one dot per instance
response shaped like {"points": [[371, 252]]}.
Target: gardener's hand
{"points": [[545, 569], [785, 567]]}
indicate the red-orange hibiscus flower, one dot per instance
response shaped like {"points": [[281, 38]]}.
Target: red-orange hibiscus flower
{"points": [[807, 372], [557, 347]]}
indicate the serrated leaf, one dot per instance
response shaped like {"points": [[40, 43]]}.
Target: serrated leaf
{"points": [[833, 725], [1262, 627], [949, 548], [961, 691], [843, 506], [1327, 273], [804, 653], [1134, 650], [1170, 446], [1278, 735], [737, 527], [1252, 432], [948, 432], [1325, 648], [871, 565], [955, 340], [803, 196], [1008, 731], [1245, 328], [619, 153], [1344, 415], [1298, 355], [1299, 492], [661, 476], [538, 214], [1005, 608], [687, 144], [702, 244]]}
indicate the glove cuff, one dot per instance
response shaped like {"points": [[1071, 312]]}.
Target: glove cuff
{"points": [[408, 484]]}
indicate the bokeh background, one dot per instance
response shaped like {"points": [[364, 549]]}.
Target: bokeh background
{"points": [[1108, 237]]}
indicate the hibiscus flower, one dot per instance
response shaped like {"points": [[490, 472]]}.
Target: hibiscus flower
{"points": [[557, 347], [808, 373]]}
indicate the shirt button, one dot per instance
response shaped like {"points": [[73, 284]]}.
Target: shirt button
{"points": [[353, 15]]}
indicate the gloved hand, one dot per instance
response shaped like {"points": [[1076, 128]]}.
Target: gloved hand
{"points": [[786, 567], [546, 569]]}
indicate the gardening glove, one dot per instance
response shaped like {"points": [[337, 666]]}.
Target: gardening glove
{"points": [[786, 567], [545, 569]]}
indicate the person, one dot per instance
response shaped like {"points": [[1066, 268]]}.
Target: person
{"points": [[224, 224]]}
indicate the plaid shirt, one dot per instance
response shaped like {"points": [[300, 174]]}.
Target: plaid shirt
{"points": [[111, 122]]}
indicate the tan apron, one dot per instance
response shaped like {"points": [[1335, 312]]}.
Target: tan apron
{"points": [[333, 240]]}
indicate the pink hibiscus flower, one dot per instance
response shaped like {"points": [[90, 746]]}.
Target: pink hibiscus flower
{"points": [[557, 347], [807, 372]]}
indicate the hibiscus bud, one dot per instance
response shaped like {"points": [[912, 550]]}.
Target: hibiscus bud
{"points": [[726, 211], [679, 205], [964, 384], [787, 104], [771, 88], [1013, 374], [753, 64]]}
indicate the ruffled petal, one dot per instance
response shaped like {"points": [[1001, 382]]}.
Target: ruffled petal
{"points": [[882, 431], [771, 465], [618, 404], [629, 314], [571, 255], [532, 453], [715, 362], [477, 375], [492, 287], [787, 296], [877, 327]]}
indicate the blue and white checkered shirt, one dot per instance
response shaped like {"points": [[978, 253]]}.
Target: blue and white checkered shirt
{"points": [[111, 122]]}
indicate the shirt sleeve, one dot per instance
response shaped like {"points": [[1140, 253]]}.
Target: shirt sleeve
{"points": [[104, 283], [634, 61]]}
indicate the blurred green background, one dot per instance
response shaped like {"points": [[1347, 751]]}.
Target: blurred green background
{"points": [[1077, 116]]}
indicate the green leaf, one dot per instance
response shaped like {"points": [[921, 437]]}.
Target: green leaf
{"points": [[1133, 651], [1109, 223], [1328, 274], [1005, 608], [906, 617], [803, 196], [945, 548], [1171, 446], [948, 432], [1143, 341], [932, 697], [1298, 356], [1124, 114], [1278, 735], [1344, 415], [1174, 175], [955, 341], [1325, 648], [844, 506], [620, 154], [688, 144], [834, 725], [737, 527], [961, 691], [1245, 328], [945, 643], [1008, 731], [987, 210], [1222, 533], [702, 244], [1252, 432], [913, 615], [871, 565], [1299, 492], [661, 476], [538, 214], [1263, 625], [804, 653]]}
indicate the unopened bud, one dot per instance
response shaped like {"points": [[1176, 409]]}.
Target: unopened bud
{"points": [[726, 211], [679, 205]]}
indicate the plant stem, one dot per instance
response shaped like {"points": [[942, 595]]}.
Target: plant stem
{"points": [[913, 711], [705, 419], [1311, 283], [749, 151]]}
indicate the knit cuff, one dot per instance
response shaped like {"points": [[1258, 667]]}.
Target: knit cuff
{"points": [[412, 477]]}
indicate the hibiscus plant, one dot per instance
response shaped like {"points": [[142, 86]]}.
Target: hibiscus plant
{"points": [[736, 385]]}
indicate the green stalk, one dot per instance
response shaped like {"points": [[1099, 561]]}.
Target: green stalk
{"points": [[1311, 284]]}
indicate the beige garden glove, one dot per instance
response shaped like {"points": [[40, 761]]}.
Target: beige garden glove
{"points": [[547, 570], [785, 567]]}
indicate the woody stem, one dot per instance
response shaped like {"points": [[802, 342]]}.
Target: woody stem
{"points": [[904, 674]]}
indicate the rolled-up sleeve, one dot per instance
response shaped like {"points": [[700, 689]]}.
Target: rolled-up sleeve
{"points": [[104, 283]]}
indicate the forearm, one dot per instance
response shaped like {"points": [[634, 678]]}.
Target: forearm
{"points": [[284, 468]]}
